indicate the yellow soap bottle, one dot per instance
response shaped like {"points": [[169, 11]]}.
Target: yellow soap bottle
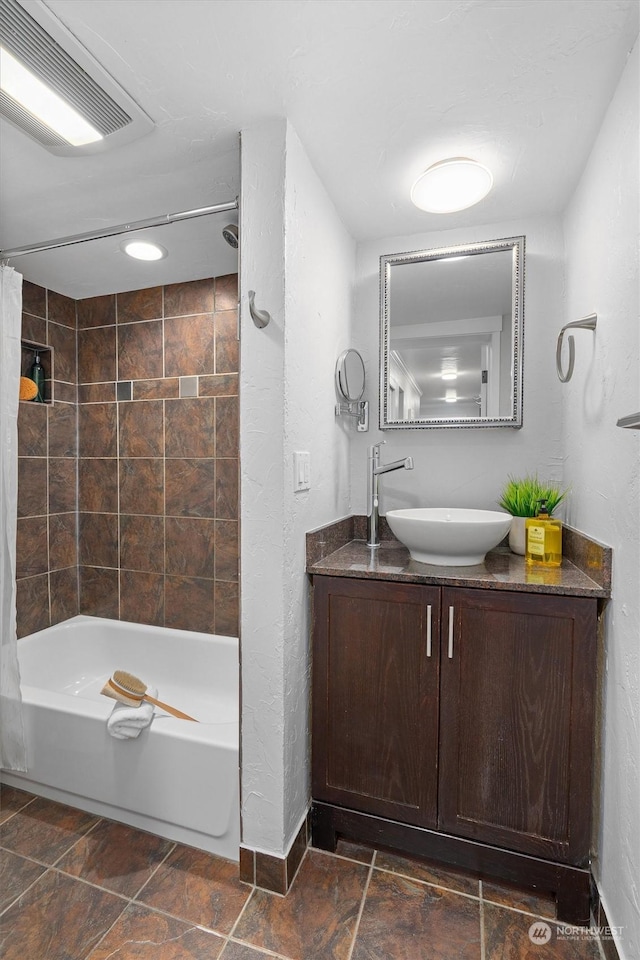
{"points": [[543, 538]]}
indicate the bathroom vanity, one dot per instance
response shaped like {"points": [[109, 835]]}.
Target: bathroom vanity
{"points": [[454, 709]]}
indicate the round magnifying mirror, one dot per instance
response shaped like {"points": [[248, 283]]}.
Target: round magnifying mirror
{"points": [[350, 376]]}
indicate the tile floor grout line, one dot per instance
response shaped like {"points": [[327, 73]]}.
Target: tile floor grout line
{"points": [[90, 883], [429, 883], [299, 867], [252, 946], [244, 907], [22, 893], [81, 837], [174, 916], [341, 856], [44, 863], [482, 944], [108, 930], [94, 886], [20, 809], [362, 902], [155, 870]]}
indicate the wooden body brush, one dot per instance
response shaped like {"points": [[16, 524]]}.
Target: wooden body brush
{"points": [[128, 689]]}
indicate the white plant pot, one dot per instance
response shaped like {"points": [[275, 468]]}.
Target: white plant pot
{"points": [[517, 539]]}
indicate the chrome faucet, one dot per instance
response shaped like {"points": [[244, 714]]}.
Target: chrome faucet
{"points": [[375, 469]]}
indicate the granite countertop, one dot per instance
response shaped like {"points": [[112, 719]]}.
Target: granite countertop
{"points": [[340, 550]]}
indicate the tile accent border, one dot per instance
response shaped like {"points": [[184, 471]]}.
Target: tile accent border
{"points": [[271, 872]]}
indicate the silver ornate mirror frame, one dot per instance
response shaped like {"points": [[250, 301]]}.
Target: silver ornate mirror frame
{"points": [[513, 419]]}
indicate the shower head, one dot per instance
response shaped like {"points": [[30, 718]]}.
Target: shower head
{"points": [[230, 234]]}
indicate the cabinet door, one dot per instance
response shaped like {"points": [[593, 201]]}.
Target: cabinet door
{"points": [[375, 697], [516, 721]]}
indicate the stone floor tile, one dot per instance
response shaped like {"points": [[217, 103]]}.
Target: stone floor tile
{"points": [[514, 936], [44, 830], [539, 904], [424, 870], [318, 916], [116, 857], [143, 934], [407, 920], [16, 875], [58, 918], [196, 886]]}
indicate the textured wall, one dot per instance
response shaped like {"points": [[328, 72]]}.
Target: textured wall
{"points": [[603, 466], [46, 556], [261, 487], [467, 467], [158, 455], [320, 266], [288, 223]]}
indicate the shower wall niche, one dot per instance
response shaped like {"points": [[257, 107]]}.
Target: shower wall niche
{"points": [[144, 454]]}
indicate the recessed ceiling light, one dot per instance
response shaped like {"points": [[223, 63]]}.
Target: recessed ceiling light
{"points": [[449, 376], [451, 396], [143, 250], [43, 103], [451, 185]]}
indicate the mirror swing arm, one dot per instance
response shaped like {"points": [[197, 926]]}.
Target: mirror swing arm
{"points": [[435, 314], [355, 408]]}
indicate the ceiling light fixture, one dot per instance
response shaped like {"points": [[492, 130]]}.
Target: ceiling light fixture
{"points": [[451, 185], [43, 103], [449, 369], [451, 396], [55, 91], [143, 250]]}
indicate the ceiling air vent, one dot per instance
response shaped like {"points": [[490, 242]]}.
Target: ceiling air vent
{"points": [[31, 33]]}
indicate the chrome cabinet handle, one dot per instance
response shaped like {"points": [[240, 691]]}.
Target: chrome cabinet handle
{"points": [[450, 633], [429, 630]]}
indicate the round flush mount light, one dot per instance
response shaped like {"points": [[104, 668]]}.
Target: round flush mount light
{"points": [[451, 185], [143, 250]]}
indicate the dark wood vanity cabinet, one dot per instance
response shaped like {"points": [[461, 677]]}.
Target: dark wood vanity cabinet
{"points": [[516, 721], [375, 703], [457, 723]]}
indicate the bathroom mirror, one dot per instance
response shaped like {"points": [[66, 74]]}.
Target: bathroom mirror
{"points": [[350, 382], [350, 376], [451, 327]]}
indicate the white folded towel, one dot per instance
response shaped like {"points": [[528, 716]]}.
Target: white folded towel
{"points": [[126, 723]]}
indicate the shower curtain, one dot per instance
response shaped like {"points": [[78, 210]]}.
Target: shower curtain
{"points": [[12, 749]]}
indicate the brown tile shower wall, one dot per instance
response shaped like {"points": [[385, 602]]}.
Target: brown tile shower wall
{"points": [[46, 554], [158, 455]]}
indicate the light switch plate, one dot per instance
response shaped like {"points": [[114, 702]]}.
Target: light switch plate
{"points": [[301, 470]]}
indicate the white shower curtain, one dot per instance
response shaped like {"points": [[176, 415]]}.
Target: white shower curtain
{"points": [[12, 749]]}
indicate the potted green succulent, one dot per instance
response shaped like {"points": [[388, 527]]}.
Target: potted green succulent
{"points": [[520, 497]]}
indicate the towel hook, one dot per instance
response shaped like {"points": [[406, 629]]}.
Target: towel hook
{"points": [[586, 323], [260, 317]]}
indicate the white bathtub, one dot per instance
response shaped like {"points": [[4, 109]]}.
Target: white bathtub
{"points": [[177, 779]]}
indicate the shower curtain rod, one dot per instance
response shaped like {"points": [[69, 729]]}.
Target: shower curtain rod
{"points": [[120, 228]]}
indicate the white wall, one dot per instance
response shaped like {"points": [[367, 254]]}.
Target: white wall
{"points": [[467, 467], [602, 463], [300, 260], [261, 485]]}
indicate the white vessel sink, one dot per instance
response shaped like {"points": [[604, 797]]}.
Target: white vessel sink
{"points": [[454, 537]]}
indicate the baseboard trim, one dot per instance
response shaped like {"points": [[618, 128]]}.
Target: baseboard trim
{"points": [[271, 872], [608, 944]]}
